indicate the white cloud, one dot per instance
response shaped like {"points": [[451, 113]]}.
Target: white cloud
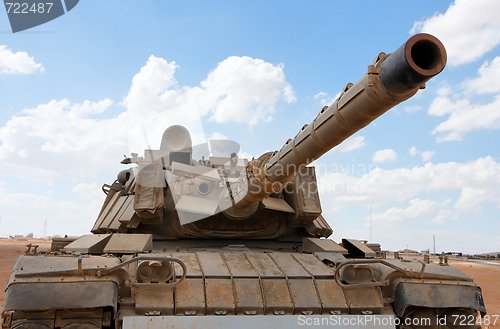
{"points": [[321, 95], [464, 117], [352, 143], [325, 99], [240, 89], [217, 136], [415, 209], [488, 78], [444, 90], [245, 90], [61, 136], [413, 151], [444, 216], [476, 183], [156, 101], [89, 191], [63, 126], [19, 62], [27, 212], [154, 84], [426, 156], [384, 156], [246, 155], [468, 29], [470, 198]]}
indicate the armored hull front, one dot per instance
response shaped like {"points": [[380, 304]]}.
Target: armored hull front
{"points": [[249, 283]]}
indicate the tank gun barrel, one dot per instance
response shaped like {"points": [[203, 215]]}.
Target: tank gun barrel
{"points": [[390, 80]]}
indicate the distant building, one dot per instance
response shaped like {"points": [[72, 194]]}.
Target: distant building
{"points": [[454, 253], [409, 252]]}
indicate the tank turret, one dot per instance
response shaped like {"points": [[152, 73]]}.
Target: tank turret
{"points": [[275, 195]]}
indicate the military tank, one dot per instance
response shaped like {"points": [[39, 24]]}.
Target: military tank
{"points": [[222, 241]]}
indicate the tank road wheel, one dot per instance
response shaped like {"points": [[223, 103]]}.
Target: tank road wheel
{"points": [[67, 319], [31, 325], [78, 324], [84, 319], [83, 325], [28, 320], [433, 318]]}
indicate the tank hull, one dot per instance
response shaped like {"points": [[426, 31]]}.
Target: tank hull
{"points": [[228, 285]]}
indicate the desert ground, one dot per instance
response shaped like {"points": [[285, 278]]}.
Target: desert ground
{"points": [[487, 276]]}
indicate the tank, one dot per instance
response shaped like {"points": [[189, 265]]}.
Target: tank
{"points": [[221, 241]]}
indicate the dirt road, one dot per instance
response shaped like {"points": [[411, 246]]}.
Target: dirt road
{"points": [[488, 278]]}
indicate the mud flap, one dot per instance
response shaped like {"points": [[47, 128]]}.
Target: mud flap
{"points": [[43, 296], [437, 296], [260, 321]]}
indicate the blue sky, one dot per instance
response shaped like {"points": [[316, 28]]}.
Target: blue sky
{"points": [[106, 79]]}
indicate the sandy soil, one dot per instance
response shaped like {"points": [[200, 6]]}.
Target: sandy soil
{"points": [[488, 277]]}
